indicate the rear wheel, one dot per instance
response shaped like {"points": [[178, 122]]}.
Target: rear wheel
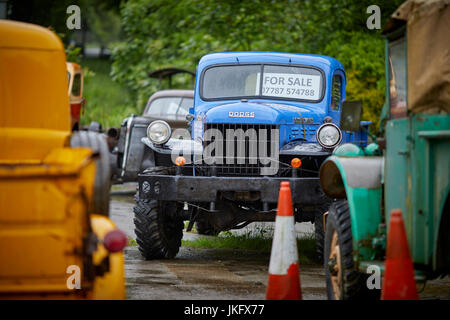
{"points": [[158, 228], [319, 236], [319, 232], [102, 183], [343, 280]]}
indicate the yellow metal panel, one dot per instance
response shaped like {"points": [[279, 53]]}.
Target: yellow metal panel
{"points": [[43, 221], [30, 252], [34, 201], [63, 161], [22, 145], [33, 78], [15, 34]]}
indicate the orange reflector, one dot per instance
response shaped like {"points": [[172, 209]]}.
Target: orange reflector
{"points": [[296, 163], [180, 161]]}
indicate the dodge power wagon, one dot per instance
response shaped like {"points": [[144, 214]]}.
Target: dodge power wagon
{"points": [[258, 118]]}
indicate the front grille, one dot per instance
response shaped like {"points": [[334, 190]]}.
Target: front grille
{"points": [[240, 149]]}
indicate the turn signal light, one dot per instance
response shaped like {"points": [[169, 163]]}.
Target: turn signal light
{"points": [[180, 161], [296, 163], [115, 241]]}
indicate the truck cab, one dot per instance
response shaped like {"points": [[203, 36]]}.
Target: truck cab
{"points": [[258, 118]]}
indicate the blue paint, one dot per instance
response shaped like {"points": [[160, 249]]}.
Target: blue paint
{"points": [[275, 111]]}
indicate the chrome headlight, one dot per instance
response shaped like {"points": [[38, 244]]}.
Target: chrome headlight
{"points": [[159, 132], [329, 135]]}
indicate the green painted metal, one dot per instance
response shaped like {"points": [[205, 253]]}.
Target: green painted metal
{"points": [[372, 150], [417, 174], [348, 150], [364, 205], [415, 178]]}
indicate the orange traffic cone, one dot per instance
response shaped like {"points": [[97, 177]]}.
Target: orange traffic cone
{"points": [[399, 282], [284, 278]]}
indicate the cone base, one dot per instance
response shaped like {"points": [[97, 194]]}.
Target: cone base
{"points": [[399, 282], [285, 286]]}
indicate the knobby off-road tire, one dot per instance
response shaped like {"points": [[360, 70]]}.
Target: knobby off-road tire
{"points": [[351, 282], [319, 236], [318, 228], [158, 230], [102, 182]]}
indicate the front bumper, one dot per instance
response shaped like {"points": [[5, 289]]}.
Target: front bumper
{"points": [[305, 191]]}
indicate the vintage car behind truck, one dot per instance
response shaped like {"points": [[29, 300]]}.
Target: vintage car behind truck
{"points": [[132, 156], [56, 240], [408, 168], [258, 118]]}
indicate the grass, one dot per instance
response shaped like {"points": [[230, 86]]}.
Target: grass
{"points": [[132, 242], [107, 102], [250, 241]]}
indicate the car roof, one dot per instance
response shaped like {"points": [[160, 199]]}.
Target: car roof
{"points": [[169, 93], [262, 56], [73, 67], [173, 93]]}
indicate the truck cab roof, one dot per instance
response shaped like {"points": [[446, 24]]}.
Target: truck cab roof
{"points": [[266, 57]]}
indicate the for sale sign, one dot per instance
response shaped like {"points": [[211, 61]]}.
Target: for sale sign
{"points": [[294, 86]]}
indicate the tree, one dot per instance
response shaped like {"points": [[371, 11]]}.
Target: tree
{"points": [[162, 33]]}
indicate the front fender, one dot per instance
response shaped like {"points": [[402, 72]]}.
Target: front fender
{"points": [[359, 179]]}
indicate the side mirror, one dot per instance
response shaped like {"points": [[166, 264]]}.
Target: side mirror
{"points": [[351, 115]]}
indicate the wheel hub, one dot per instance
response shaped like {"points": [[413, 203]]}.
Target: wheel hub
{"points": [[334, 266]]}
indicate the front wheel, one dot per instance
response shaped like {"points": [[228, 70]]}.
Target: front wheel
{"points": [[158, 228], [102, 182], [344, 281]]}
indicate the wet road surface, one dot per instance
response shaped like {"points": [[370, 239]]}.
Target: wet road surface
{"points": [[199, 274], [202, 273]]}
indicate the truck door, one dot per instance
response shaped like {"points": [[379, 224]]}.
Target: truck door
{"points": [[398, 173]]}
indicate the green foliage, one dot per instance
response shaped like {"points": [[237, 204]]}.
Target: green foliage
{"points": [[73, 54], [104, 24], [362, 55], [107, 102], [163, 33]]}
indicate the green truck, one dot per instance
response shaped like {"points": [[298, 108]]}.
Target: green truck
{"points": [[407, 167]]}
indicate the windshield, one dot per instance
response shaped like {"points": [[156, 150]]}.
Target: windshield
{"points": [[261, 81], [170, 107], [397, 78]]}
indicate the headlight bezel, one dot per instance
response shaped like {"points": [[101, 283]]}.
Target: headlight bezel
{"points": [[328, 124], [163, 141]]}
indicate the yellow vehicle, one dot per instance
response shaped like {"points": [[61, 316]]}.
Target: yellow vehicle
{"points": [[55, 238], [77, 102]]}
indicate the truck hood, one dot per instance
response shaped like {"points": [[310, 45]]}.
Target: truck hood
{"points": [[263, 113]]}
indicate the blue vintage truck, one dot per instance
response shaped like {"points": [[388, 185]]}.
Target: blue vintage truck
{"points": [[258, 118]]}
